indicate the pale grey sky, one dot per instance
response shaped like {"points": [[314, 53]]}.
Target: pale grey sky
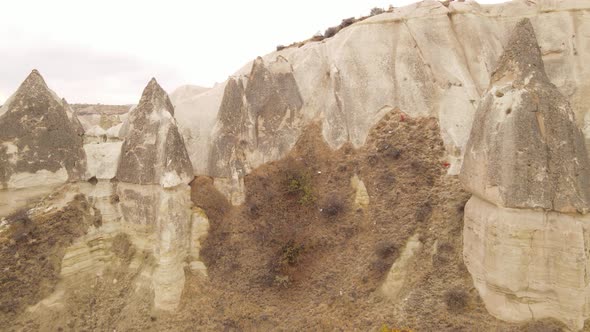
{"points": [[106, 51]]}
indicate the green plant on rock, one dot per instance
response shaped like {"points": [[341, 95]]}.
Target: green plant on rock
{"points": [[282, 281], [300, 184], [290, 253]]}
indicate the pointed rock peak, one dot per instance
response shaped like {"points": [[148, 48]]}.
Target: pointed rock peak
{"points": [[257, 66], [34, 80], [522, 56], [525, 149], [155, 98]]}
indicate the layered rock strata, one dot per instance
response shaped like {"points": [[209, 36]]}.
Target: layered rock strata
{"points": [[526, 229]]}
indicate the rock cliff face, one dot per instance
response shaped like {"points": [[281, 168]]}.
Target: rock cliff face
{"points": [[525, 236], [257, 122], [511, 107], [40, 138], [426, 59]]}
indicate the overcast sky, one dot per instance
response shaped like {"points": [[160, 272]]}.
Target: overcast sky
{"points": [[106, 51]]}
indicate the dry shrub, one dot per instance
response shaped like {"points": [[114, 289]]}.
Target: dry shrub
{"points": [[456, 300], [545, 325], [424, 211], [333, 205], [290, 253], [377, 11], [206, 196]]}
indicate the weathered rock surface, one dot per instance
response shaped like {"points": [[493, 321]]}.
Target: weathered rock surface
{"points": [[154, 171], [525, 232], [257, 121], [426, 59], [528, 264], [525, 150], [154, 151], [40, 139]]}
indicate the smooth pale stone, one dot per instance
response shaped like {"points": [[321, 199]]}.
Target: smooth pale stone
{"points": [[528, 264], [102, 159], [361, 196], [397, 275]]}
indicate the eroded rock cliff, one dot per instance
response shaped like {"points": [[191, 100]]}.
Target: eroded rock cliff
{"points": [[525, 235], [426, 59]]}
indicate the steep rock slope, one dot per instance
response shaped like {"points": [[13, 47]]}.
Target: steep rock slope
{"points": [[525, 235], [426, 59], [40, 138]]}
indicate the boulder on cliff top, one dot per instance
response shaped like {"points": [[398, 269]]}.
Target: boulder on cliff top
{"points": [[154, 151], [40, 143], [525, 150]]}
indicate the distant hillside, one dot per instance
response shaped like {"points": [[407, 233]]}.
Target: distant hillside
{"points": [[85, 109]]}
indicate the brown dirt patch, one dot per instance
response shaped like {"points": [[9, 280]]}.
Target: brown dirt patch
{"points": [[31, 251]]}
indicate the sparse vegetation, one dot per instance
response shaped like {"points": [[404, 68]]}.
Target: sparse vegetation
{"points": [[21, 225], [377, 11], [424, 211], [290, 253], [282, 281], [386, 328], [331, 32], [456, 300], [386, 250], [300, 184], [333, 206]]}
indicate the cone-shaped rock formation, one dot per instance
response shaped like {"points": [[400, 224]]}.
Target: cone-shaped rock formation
{"points": [[525, 233], [525, 150], [39, 144], [154, 151]]}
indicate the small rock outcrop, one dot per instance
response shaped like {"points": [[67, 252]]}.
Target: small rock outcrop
{"points": [[40, 139], [154, 151], [525, 230]]}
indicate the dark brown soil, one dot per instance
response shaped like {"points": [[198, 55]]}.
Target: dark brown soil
{"points": [[31, 251]]}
